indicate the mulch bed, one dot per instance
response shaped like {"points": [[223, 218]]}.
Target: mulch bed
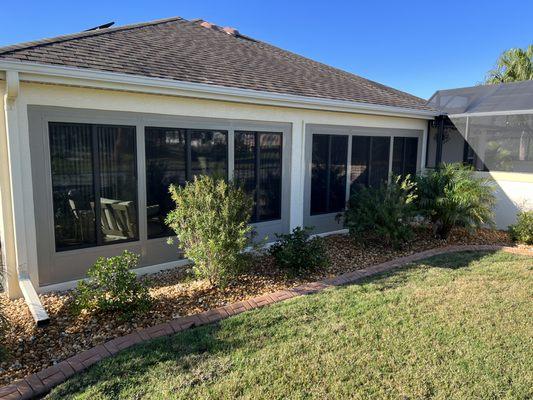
{"points": [[176, 293]]}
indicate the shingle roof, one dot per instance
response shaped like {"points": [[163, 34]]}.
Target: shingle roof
{"points": [[183, 50]]}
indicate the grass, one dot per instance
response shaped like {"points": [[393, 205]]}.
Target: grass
{"points": [[456, 326]]}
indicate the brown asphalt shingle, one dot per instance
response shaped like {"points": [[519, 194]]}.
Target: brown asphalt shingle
{"points": [[184, 50]]}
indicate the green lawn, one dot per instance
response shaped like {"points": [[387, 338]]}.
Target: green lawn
{"points": [[452, 327]]}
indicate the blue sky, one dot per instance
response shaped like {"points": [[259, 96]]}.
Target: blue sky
{"points": [[415, 46]]}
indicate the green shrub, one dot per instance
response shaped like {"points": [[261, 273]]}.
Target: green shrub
{"points": [[453, 195], [383, 213], [112, 287], [211, 222], [296, 253], [522, 231]]}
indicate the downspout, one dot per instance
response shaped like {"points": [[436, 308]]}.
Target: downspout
{"points": [[31, 298]]}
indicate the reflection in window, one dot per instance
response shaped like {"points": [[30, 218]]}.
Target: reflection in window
{"points": [[208, 153], [258, 171], [165, 165], [174, 156], [328, 177], [94, 184], [370, 160], [404, 156]]}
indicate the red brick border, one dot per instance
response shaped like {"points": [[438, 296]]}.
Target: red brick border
{"points": [[43, 381]]}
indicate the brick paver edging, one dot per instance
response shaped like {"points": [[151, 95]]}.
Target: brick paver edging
{"points": [[43, 381]]}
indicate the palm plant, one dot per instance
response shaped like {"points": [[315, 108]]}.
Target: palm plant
{"points": [[453, 195], [512, 66]]}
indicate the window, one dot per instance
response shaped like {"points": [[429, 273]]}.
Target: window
{"points": [[328, 176], [370, 160], [94, 184], [404, 156], [258, 170], [174, 156]]}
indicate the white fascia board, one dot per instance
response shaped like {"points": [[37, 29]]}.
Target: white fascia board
{"points": [[61, 75]]}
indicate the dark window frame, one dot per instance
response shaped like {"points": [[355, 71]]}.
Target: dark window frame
{"points": [[96, 172]]}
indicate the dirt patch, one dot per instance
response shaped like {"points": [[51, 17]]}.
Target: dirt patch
{"points": [[176, 293]]}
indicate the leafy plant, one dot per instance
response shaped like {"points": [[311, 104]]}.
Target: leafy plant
{"points": [[385, 212], [522, 231], [297, 253], [512, 66], [112, 287], [211, 221], [453, 195]]}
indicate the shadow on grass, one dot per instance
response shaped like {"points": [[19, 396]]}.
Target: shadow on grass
{"points": [[184, 351]]}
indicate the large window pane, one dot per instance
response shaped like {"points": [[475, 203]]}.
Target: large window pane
{"points": [[165, 165], [118, 183], [94, 183], [337, 170], [72, 185], [208, 153], [175, 156], [328, 177], [319, 174], [404, 156], [379, 160], [258, 171], [269, 168], [359, 172]]}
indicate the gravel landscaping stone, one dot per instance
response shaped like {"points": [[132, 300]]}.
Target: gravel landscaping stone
{"points": [[176, 293]]}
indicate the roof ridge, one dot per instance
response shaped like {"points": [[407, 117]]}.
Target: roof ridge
{"points": [[77, 35]]}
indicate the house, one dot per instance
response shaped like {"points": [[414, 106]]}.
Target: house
{"points": [[96, 125]]}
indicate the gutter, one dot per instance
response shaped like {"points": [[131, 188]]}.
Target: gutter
{"points": [[26, 286], [61, 75]]}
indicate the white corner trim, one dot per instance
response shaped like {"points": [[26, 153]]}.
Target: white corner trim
{"points": [[12, 85], [61, 75]]}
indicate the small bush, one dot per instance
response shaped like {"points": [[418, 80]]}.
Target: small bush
{"points": [[112, 287], [382, 213], [211, 221], [296, 253], [522, 231], [454, 196]]}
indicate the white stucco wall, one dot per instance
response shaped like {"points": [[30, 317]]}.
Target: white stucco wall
{"points": [[96, 99], [514, 192]]}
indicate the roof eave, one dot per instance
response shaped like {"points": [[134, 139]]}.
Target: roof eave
{"points": [[61, 75]]}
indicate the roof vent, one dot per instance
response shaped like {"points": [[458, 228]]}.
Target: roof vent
{"points": [[104, 26]]}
